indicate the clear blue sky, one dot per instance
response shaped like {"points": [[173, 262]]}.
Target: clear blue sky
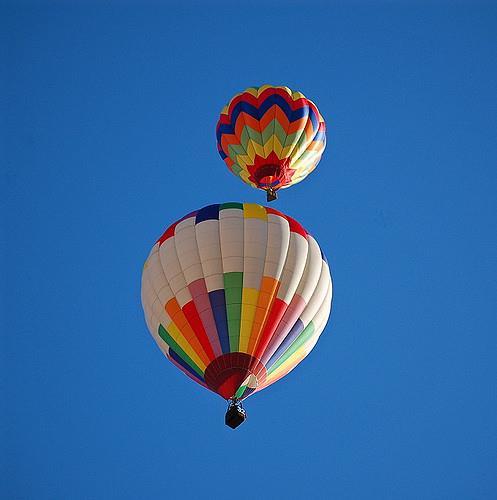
{"points": [[107, 127]]}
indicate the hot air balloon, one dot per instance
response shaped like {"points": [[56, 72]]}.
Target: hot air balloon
{"points": [[271, 137], [236, 295]]}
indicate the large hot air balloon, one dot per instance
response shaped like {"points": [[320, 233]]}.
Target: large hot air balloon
{"points": [[271, 137], [236, 295]]}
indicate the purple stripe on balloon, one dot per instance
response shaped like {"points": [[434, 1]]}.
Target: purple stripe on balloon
{"points": [[297, 329], [248, 391], [202, 303], [193, 376], [218, 305], [198, 291], [292, 314]]}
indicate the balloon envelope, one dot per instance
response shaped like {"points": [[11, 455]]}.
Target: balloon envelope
{"points": [[271, 137], [236, 295]]}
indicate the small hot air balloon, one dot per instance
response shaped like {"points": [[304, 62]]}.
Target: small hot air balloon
{"points": [[236, 295], [271, 137]]}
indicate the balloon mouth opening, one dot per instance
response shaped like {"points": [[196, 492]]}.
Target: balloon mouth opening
{"points": [[269, 176], [235, 375]]}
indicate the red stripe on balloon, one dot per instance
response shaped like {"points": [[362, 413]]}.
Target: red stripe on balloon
{"points": [[169, 232], [195, 322], [295, 227], [277, 311]]}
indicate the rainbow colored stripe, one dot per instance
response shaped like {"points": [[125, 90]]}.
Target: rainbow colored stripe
{"points": [[236, 295], [271, 136]]}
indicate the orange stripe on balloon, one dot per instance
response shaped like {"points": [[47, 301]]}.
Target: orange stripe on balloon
{"points": [[276, 375], [297, 125], [309, 130], [268, 290], [282, 119], [268, 116], [227, 140], [180, 320], [246, 119]]}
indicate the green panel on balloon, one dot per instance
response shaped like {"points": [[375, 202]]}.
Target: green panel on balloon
{"points": [[164, 335], [207, 345], [306, 333], [260, 117], [233, 283], [233, 204], [240, 391]]}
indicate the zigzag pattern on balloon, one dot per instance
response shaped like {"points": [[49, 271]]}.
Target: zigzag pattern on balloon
{"points": [[271, 137]]}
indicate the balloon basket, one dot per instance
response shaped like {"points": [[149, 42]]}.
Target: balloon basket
{"points": [[235, 415], [271, 195]]}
